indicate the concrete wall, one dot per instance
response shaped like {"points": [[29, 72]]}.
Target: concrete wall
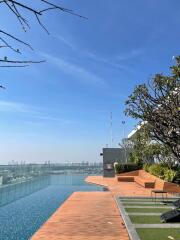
{"points": [[110, 156]]}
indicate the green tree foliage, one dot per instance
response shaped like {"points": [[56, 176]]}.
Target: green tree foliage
{"points": [[145, 151], [157, 104], [137, 154], [162, 171]]}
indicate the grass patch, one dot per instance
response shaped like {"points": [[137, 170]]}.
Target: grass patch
{"points": [[145, 219], [136, 200], [143, 200], [147, 199], [147, 210], [139, 200], [143, 205], [160, 234]]}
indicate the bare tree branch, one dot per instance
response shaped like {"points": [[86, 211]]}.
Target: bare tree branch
{"points": [[15, 38], [15, 66], [15, 7], [20, 62]]}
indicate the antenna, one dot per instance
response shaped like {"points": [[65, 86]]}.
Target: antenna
{"points": [[125, 153], [111, 132]]}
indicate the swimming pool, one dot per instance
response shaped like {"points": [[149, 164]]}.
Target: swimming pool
{"points": [[21, 218]]}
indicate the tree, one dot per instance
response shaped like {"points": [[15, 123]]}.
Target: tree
{"points": [[157, 104], [145, 150], [139, 144], [127, 146], [19, 8]]}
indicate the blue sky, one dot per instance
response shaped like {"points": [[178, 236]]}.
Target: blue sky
{"points": [[60, 110]]}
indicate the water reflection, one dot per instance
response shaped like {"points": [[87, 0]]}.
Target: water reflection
{"points": [[32, 203], [13, 192]]}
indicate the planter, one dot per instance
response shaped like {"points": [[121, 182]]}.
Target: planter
{"points": [[159, 183]]}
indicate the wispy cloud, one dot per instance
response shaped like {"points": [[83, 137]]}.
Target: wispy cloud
{"points": [[52, 119], [129, 55], [108, 61], [117, 61], [66, 42], [30, 112], [113, 61], [8, 106], [77, 72]]}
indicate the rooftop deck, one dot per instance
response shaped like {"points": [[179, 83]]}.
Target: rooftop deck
{"points": [[91, 215], [85, 216], [120, 188]]}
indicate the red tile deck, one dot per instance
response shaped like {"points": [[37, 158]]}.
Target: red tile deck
{"points": [[120, 188], [91, 215], [85, 216]]}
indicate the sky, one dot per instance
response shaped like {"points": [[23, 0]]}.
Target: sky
{"points": [[59, 111]]}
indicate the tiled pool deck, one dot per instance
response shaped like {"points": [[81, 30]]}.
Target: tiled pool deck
{"points": [[120, 188], [85, 216], [91, 215]]}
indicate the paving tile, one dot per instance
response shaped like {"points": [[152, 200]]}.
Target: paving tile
{"points": [[91, 215], [120, 188], [85, 216]]}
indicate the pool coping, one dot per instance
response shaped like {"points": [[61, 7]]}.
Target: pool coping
{"points": [[129, 226]]}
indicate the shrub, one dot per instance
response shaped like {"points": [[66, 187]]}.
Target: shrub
{"points": [[157, 170], [169, 175], [162, 171], [146, 167], [126, 167], [177, 177]]}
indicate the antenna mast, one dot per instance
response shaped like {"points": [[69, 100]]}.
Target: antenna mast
{"points": [[111, 132]]}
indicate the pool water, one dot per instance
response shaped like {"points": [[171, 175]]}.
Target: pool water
{"points": [[21, 218]]}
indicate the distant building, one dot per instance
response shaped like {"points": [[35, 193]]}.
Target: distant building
{"points": [[110, 156]]}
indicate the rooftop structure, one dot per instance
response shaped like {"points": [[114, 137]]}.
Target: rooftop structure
{"points": [[133, 133], [110, 156]]}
